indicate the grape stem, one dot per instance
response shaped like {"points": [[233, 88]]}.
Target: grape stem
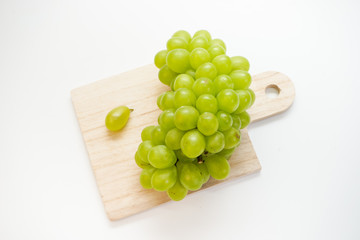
{"points": [[131, 110]]}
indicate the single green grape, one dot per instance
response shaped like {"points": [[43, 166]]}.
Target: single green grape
{"points": [[203, 33], [225, 120], [232, 137], [222, 64], [146, 133], [191, 177], [219, 42], [172, 85], [207, 103], [184, 97], [166, 119], [117, 118], [173, 138], [240, 63], [227, 153], [176, 43], [158, 101], [158, 136], [183, 34], [164, 179], [217, 166], [204, 172], [207, 123], [193, 143], [140, 162], [145, 177], [228, 100], [253, 97], [236, 121], [215, 143], [168, 100], [191, 72], [207, 70], [223, 81], [161, 156], [203, 86], [144, 149], [178, 60], [199, 56], [182, 157], [242, 79], [183, 81], [198, 42], [166, 75], [160, 58], [245, 100], [186, 118], [177, 192], [245, 119], [216, 50]]}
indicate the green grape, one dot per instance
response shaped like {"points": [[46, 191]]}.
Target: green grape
{"points": [[203, 86], [218, 166], [242, 79], [245, 119], [161, 156], [166, 119], [207, 70], [198, 56], [182, 157], [146, 133], [225, 120], [228, 100], [176, 43], [183, 81], [198, 42], [245, 100], [168, 100], [158, 136], [215, 143], [145, 177], [253, 97], [207, 103], [203, 33], [166, 75], [227, 153], [222, 64], [160, 58], [207, 123], [117, 118], [223, 81], [173, 138], [183, 34], [164, 179], [236, 121], [204, 172], [232, 137], [184, 97], [216, 50], [177, 192], [191, 72], [240, 63], [191, 177], [219, 42], [193, 143], [172, 85], [186, 118], [140, 162], [178, 60], [158, 101], [144, 149]]}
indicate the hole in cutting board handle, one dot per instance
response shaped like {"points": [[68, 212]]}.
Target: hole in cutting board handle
{"points": [[272, 91]]}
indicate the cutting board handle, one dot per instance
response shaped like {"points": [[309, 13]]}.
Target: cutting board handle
{"points": [[266, 106]]}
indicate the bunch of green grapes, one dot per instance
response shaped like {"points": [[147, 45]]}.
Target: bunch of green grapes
{"points": [[199, 127]]}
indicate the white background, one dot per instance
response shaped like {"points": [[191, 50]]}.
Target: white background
{"points": [[309, 187]]}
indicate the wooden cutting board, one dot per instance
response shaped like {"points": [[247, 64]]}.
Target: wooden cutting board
{"points": [[112, 154]]}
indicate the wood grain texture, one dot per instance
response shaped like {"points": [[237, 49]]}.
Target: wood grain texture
{"points": [[112, 154]]}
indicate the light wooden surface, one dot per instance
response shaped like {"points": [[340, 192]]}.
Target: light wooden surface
{"points": [[112, 154]]}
